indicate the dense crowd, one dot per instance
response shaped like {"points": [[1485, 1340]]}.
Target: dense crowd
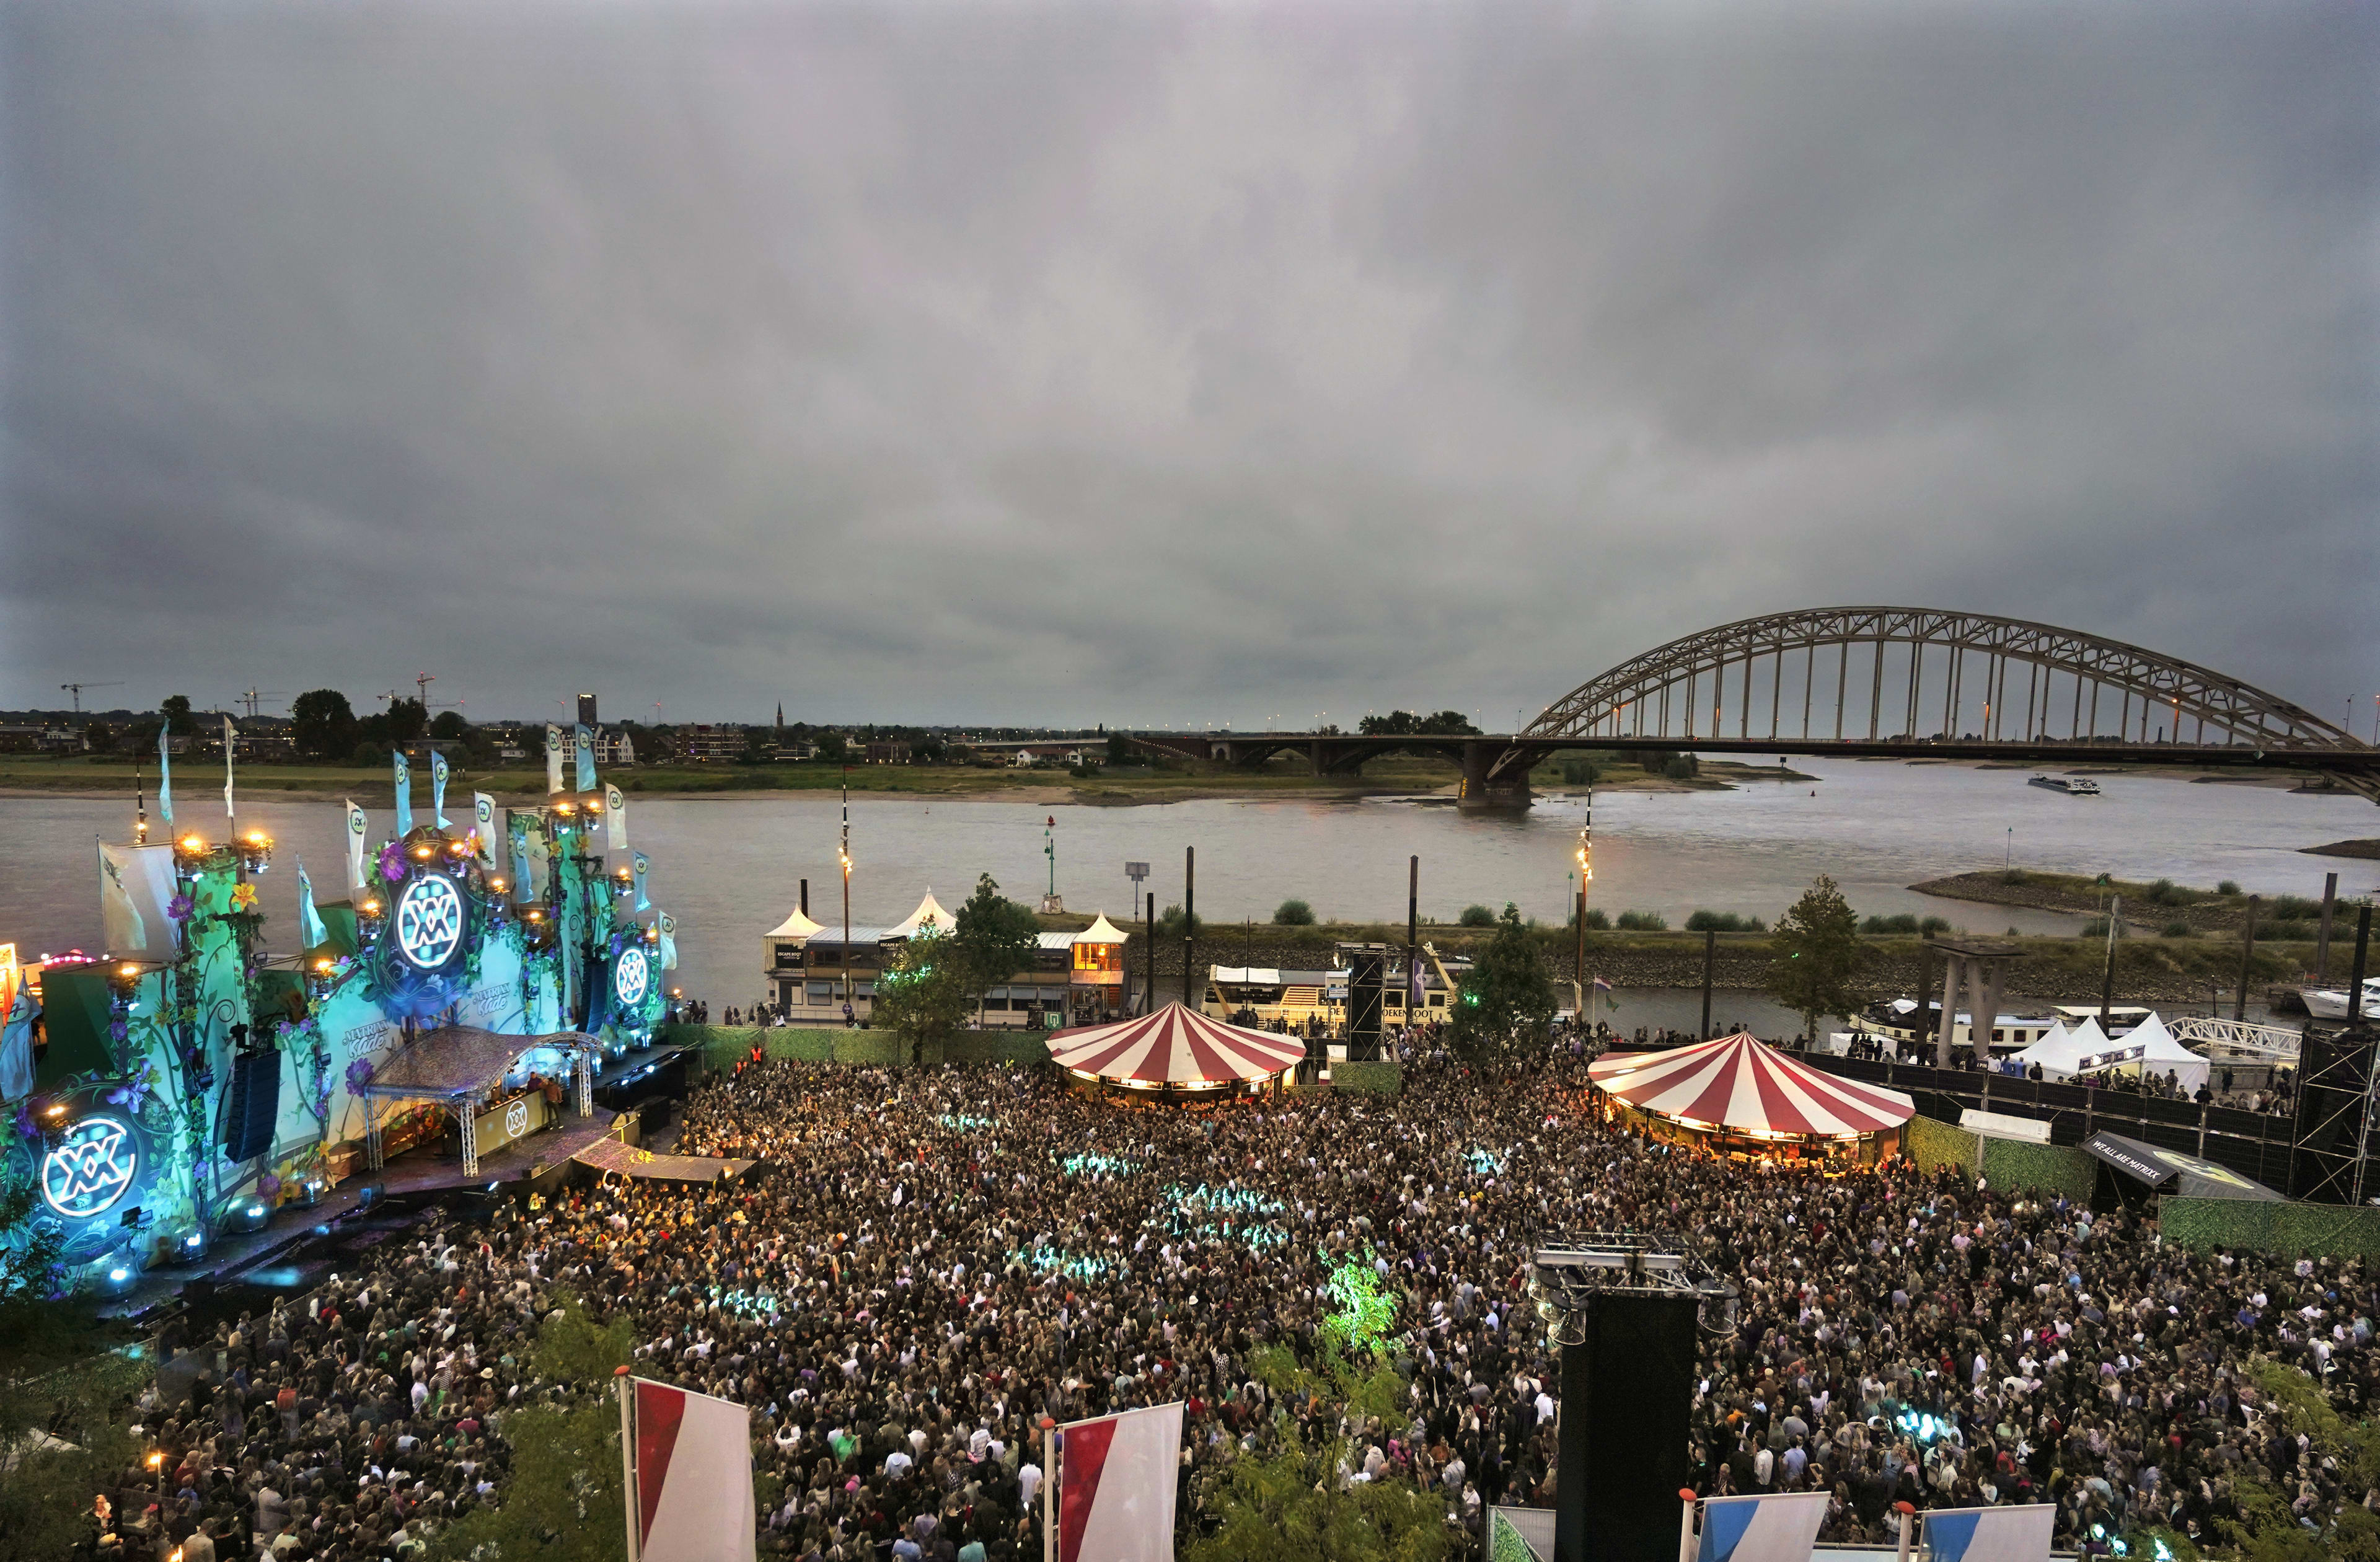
{"points": [[927, 1262]]}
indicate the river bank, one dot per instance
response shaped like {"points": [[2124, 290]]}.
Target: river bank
{"points": [[2162, 906]]}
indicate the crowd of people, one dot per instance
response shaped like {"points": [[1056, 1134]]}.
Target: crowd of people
{"points": [[927, 1262]]}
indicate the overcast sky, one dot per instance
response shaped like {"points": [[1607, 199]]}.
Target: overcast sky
{"points": [[1148, 363]]}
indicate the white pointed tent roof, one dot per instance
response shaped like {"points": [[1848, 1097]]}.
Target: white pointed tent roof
{"points": [[2062, 1053], [926, 909], [798, 925], [1101, 931]]}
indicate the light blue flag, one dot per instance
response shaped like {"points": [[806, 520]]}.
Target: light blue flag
{"points": [[642, 862], [586, 760], [231, 741], [438, 786], [17, 1043], [1991, 1534], [404, 796], [310, 930], [166, 773], [520, 865], [1783, 1528], [666, 925]]}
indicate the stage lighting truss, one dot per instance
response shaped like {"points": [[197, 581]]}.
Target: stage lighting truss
{"points": [[1570, 1270]]}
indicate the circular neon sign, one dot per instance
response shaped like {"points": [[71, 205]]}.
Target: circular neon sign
{"points": [[90, 1168], [631, 977], [428, 922]]}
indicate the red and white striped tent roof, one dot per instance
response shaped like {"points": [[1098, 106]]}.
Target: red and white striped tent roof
{"points": [[1742, 1083], [1174, 1046]]}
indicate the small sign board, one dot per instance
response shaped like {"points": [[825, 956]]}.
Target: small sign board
{"points": [[1136, 871]]}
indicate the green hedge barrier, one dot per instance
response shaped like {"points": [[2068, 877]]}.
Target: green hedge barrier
{"points": [[724, 1047], [1505, 1542], [2011, 1164], [1934, 1144], [1377, 1079], [2286, 1230]]}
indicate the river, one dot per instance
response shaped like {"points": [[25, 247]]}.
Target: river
{"points": [[729, 867]]}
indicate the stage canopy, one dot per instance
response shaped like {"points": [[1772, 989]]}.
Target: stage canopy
{"points": [[2170, 1171], [1174, 1046], [456, 1061], [1742, 1084]]}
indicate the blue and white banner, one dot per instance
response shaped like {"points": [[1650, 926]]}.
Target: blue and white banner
{"points": [[1990, 1535], [642, 865], [166, 773], [231, 741], [136, 886], [358, 828], [1782, 1528], [521, 890], [615, 818], [485, 827], [667, 926], [585, 744], [310, 930], [438, 787], [16, 1042], [404, 796], [553, 758]]}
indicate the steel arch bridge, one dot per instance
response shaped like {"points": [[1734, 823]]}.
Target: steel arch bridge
{"points": [[1874, 682]]}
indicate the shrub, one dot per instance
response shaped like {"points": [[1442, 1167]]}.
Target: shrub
{"points": [[2096, 928], [1598, 919], [1579, 773], [1906, 925], [1294, 913], [2228, 886], [2012, 876], [1685, 767], [2177, 929], [1475, 916], [2293, 908], [2166, 893], [2285, 932], [1643, 922], [1724, 922]]}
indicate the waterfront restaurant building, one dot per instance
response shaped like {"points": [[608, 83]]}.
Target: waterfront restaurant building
{"points": [[1075, 978]]}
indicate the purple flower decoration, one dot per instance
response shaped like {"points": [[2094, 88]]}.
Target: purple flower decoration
{"points": [[25, 1123], [359, 1073], [179, 908], [392, 862], [134, 1091]]}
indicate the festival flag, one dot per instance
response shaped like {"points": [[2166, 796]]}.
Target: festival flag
{"points": [[520, 864], [1604, 987], [666, 925], [136, 886], [311, 934], [1990, 1535], [553, 758], [483, 828], [16, 1042], [438, 787], [166, 773], [689, 1474], [1115, 1487], [1779, 1528], [357, 827], [404, 796], [642, 864], [540, 861], [231, 740], [585, 744], [615, 822]]}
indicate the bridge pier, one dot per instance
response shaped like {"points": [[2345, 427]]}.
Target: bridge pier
{"points": [[1504, 793]]}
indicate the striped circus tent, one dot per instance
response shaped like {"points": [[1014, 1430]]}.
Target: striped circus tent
{"points": [[1174, 1046], [1742, 1084]]}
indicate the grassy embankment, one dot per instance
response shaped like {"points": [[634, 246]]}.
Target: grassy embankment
{"points": [[2169, 909]]}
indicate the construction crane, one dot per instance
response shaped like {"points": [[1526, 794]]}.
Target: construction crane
{"points": [[76, 690], [251, 697], [423, 681]]}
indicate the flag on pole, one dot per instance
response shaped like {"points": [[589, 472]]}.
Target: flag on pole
{"points": [[166, 773], [616, 820], [585, 744], [553, 758], [404, 796], [1115, 1488], [1779, 1528], [311, 934], [136, 884], [689, 1469], [1604, 987], [438, 787], [231, 738], [520, 864], [483, 825], [667, 926], [17, 1043], [1990, 1535], [642, 864]]}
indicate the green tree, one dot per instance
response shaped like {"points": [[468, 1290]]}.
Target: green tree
{"points": [[924, 994], [996, 938], [449, 726], [176, 709], [322, 724], [1818, 956], [1506, 1000], [406, 720], [1294, 913]]}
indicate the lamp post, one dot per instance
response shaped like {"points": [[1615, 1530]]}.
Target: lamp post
{"points": [[843, 854], [1585, 875]]}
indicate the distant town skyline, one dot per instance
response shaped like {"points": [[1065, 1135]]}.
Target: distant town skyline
{"points": [[1168, 366]]}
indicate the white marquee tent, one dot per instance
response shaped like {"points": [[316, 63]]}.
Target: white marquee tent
{"points": [[2087, 1049]]}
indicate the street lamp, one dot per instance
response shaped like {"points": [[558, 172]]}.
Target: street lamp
{"points": [[843, 855], [1585, 855]]}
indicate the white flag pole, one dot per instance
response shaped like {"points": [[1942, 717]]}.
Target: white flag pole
{"points": [[627, 1457], [1686, 1522], [1908, 1527], [1049, 1489]]}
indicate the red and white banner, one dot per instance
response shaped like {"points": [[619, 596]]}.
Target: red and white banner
{"points": [[1115, 1489], [689, 1476]]}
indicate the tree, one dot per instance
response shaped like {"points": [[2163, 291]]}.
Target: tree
{"points": [[923, 995], [322, 724], [1119, 750], [1294, 913], [1818, 956], [1507, 998], [449, 726], [1475, 916], [406, 720], [176, 709], [996, 938]]}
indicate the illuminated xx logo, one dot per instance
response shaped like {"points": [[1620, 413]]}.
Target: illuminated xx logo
{"points": [[92, 1167]]}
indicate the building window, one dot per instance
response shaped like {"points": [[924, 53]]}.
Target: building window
{"points": [[821, 992], [1098, 957]]}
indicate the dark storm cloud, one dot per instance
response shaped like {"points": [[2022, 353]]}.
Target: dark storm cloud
{"points": [[1168, 364]]}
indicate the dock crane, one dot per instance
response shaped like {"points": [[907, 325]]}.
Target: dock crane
{"points": [[76, 689]]}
